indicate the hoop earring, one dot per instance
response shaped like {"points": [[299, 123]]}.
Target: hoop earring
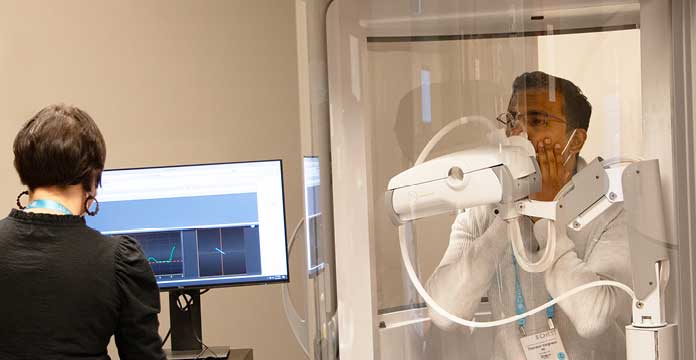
{"points": [[19, 203], [91, 213]]}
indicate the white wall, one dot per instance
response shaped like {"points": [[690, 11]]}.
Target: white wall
{"points": [[168, 82], [606, 66]]}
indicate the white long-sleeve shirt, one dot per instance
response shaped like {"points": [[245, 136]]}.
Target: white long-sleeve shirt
{"points": [[591, 323]]}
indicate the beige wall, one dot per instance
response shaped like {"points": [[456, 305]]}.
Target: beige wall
{"points": [[169, 82]]}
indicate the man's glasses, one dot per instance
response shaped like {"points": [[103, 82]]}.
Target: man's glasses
{"points": [[532, 119]]}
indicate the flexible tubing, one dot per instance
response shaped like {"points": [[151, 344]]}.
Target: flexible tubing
{"points": [[513, 227], [619, 159], [488, 324], [446, 129], [516, 242], [294, 319]]}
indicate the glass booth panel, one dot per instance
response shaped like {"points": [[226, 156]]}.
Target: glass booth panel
{"points": [[424, 94], [417, 92], [320, 325]]}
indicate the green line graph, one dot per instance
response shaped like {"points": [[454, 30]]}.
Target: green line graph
{"points": [[163, 251], [171, 257]]}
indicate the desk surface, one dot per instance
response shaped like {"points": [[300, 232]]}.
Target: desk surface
{"points": [[241, 354], [235, 354]]}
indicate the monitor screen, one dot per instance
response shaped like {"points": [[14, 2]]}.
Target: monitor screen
{"points": [[201, 225], [313, 224]]}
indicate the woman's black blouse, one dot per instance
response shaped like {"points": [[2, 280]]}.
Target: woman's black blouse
{"points": [[65, 289]]}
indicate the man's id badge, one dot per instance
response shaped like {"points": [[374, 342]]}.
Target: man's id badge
{"points": [[546, 345]]}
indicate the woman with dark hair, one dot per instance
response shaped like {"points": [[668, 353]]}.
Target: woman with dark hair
{"points": [[67, 288]]}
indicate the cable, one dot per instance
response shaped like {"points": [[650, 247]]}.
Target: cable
{"points": [[294, 233], [169, 332], [185, 306], [516, 239], [513, 228], [516, 242], [445, 130], [487, 324], [297, 324], [189, 303], [607, 163], [204, 347]]}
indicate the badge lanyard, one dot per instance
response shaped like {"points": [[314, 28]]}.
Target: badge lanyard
{"points": [[544, 345], [521, 307], [49, 204]]}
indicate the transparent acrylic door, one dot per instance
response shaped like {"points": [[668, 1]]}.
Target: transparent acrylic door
{"points": [[567, 76], [322, 343]]}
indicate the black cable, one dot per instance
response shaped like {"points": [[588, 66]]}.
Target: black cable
{"points": [[185, 306], [169, 332], [198, 338], [188, 300]]}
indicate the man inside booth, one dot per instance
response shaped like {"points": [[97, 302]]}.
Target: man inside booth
{"points": [[479, 262]]}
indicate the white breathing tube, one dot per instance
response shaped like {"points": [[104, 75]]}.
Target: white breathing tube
{"points": [[487, 324], [522, 260], [446, 129], [297, 324], [513, 230], [513, 224]]}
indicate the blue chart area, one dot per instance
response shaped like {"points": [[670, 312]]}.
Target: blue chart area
{"points": [[163, 252], [222, 251]]}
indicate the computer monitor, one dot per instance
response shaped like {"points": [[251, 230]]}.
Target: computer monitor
{"points": [[313, 216], [201, 226]]}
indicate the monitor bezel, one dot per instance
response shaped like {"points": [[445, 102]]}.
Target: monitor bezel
{"points": [[285, 225]]}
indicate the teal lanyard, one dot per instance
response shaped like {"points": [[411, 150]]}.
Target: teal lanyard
{"points": [[49, 204], [520, 306]]}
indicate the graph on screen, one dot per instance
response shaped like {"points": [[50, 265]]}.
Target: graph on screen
{"points": [[223, 251], [163, 251], [201, 226]]}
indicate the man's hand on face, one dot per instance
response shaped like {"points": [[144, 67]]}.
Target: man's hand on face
{"points": [[553, 172]]}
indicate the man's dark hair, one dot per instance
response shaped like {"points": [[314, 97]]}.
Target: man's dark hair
{"points": [[575, 105], [61, 145]]}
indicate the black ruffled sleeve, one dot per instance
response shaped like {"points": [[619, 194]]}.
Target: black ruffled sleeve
{"points": [[136, 333]]}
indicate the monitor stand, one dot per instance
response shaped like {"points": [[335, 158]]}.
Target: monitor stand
{"points": [[187, 332]]}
